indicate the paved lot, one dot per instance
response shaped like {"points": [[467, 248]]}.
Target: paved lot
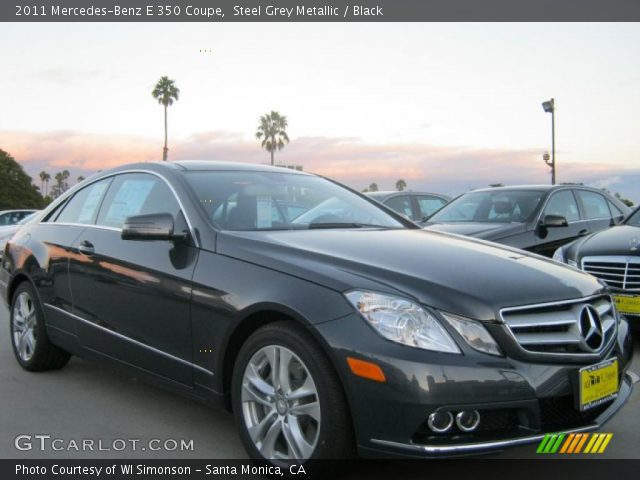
{"points": [[88, 402]]}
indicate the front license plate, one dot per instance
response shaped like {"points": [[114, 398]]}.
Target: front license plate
{"points": [[598, 383], [627, 304]]}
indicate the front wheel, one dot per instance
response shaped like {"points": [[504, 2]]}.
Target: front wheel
{"points": [[287, 399]]}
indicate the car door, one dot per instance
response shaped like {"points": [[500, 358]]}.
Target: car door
{"points": [[401, 204], [134, 296], [548, 239], [53, 239], [427, 205], [595, 210]]}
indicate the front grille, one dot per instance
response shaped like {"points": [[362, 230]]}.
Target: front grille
{"points": [[616, 271], [563, 327]]}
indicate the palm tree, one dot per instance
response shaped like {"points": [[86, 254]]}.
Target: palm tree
{"points": [[165, 92], [80, 178], [272, 131], [58, 188], [65, 177], [43, 176], [373, 187], [401, 185]]}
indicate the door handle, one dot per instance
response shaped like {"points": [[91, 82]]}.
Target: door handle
{"points": [[583, 232], [86, 248]]}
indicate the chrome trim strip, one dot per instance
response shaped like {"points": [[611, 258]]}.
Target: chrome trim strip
{"points": [[551, 304], [138, 170], [119, 335], [71, 224], [627, 385]]}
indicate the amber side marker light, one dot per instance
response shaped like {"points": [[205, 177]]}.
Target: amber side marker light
{"points": [[367, 370]]}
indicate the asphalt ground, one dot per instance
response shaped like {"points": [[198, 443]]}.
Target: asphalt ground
{"points": [[125, 417]]}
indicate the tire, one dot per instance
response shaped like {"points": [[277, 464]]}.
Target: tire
{"points": [[31, 345], [298, 417]]}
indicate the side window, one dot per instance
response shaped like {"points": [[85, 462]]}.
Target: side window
{"points": [[136, 194], [615, 211], [83, 206], [401, 204], [428, 205], [595, 205], [563, 203]]}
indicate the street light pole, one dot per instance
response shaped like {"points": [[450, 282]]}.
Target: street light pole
{"points": [[549, 107]]}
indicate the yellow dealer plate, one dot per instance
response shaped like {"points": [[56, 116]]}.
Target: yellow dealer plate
{"points": [[626, 304], [598, 383]]}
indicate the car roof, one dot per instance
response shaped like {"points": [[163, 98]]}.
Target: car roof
{"points": [[387, 193], [545, 187], [200, 165], [15, 210]]}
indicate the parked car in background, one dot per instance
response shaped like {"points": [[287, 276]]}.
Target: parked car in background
{"points": [[346, 328], [7, 231], [537, 218], [416, 206], [11, 217], [613, 256]]}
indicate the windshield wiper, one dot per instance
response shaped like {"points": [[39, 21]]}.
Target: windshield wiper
{"points": [[344, 225]]}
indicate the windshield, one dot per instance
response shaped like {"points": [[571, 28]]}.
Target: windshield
{"points": [[502, 206], [634, 219], [240, 200]]}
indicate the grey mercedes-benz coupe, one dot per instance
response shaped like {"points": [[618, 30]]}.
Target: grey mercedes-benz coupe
{"points": [[328, 323]]}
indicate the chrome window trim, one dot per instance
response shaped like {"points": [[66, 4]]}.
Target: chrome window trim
{"points": [[552, 355], [575, 199], [136, 342], [124, 172]]}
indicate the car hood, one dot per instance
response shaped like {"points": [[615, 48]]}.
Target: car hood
{"points": [[457, 274], [614, 241], [484, 230]]}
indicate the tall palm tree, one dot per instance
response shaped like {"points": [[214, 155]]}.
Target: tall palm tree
{"points": [[272, 131], [65, 177], [401, 185], [42, 176], [46, 179], [165, 92], [58, 188]]}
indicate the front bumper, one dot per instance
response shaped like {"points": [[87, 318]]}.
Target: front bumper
{"points": [[413, 449], [519, 400]]}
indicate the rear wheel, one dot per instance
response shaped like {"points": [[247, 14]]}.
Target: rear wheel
{"points": [[287, 400], [31, 345]]}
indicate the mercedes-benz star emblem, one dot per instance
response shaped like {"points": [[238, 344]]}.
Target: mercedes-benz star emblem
{"points": [[633, 244], [591, 328]]}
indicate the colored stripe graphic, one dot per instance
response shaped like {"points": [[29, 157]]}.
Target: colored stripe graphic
{"points": [[574, 443]]}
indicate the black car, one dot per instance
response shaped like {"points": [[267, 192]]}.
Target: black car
{"points": [[416, 206], [614, 257], [537, 218], [347, 327]]}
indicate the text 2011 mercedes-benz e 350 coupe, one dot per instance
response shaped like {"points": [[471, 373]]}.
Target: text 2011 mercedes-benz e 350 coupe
{"points": [[324, 320]]}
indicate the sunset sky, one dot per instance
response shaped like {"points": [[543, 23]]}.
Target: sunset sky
{"points": [[446, 106]]}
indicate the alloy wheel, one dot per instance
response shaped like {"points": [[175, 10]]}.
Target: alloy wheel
{"points": [[280, 404], [24, 326]]}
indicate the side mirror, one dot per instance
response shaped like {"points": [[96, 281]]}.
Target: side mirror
{"points": [[616, 220], [154, 226], [554, 221]]}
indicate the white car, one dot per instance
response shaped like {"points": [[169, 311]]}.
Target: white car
{"points": [[7, 231]]}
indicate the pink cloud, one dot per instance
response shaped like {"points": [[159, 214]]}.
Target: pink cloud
{"points": [[448, 170]]}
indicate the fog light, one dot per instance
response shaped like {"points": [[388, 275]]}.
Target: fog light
{"points": [[440, 422], [468, 420]]}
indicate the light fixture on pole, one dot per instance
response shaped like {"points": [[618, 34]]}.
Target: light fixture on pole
{"points": [[549, 107]]}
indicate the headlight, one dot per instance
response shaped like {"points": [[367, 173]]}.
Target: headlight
{"points": [[402, 321], [558, 255], [474, 334]]}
